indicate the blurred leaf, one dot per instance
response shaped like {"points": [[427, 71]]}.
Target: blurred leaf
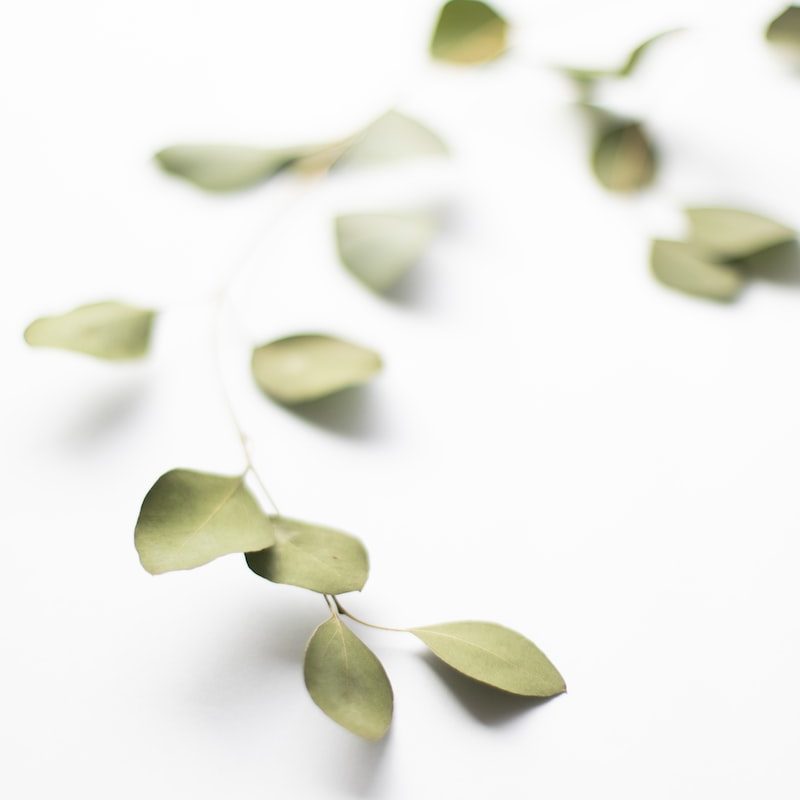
{"points": [[494, 655], [380, 248], [623, 158], [312, 557], [190, 518], [391, 137], [468, 32], [108, 330], [784, 30], [309, 366], [346, 680], [730, 234], [681, 266]]}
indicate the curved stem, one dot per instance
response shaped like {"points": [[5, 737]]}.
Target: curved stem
{"points": [[342, 610]]}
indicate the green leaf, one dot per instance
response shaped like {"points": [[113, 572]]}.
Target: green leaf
{"points": [[312, 557], [190, 518], [494, 655], [468, 32], [380, 248], [730, 234], [108, 330], [391, 137], [784, 30], [305, 367], [346, 680], [623, 158], [681, 266]]}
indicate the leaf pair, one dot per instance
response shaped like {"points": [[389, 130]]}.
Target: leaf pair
{"points": [[346, 680], [724, 246], [468, 32], [228, 167], [190, 518]]}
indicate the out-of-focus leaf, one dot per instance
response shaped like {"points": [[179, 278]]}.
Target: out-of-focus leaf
{"points": [[108, 330], [312, 557], [468, 32], [784, 30], [494, 655], [729, 234], [305, 367], [346, 680], [682, 266], [391, 137], [190, 518], [623, 158], [379, 248]]}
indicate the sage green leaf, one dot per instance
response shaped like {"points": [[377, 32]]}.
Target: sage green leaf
{"points": [[730, 234], [308, 366], [494, 655], [784, 30], [346, 680], [190, 518], [468, 32], [109, 330], [312, 557], [379, 248], [623, 159], [682, 266], [391, 137]]}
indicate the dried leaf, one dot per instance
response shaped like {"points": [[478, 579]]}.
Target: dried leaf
{"points": [[309, 366], [468, 32], [494, 655], [346, 680], [682, 266], [108, 330], [729, 234], [784, 30], [379, 248], [190, 518], [623, 158], [312, 557]]}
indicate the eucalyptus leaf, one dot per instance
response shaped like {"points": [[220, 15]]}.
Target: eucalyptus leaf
{"points": [[312, 557], [190, 518], [379, 248], [346, 680], [623, 158], [305, 367], [682, 266], [108, 330], [494, 655], [784, 30], [391, 137], [468, 32], [730, 234]]}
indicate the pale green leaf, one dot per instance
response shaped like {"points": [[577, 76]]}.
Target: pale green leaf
{"points": [[729, 234], [379, 248], [623, 158], [494, 655], [305, 367], [190, 518], [108, 330], [321, 559], [682, 266], [468, 32], [346, 680], [391, 137], [784, 30]]}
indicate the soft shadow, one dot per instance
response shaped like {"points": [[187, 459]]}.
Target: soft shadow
{"points": [[488, 705], [350, 412], [361, 766], [412, 288], [102, 414], [779, 264]]}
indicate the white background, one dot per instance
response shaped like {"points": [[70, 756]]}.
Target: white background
{"points": [[558, 443]]}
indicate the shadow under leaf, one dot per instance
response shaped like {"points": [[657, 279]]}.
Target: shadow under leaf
{"points": [[488, 705], [349, 412], [778, 264]]}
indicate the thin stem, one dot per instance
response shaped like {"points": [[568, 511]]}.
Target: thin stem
{"points": [[342, 610]]}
